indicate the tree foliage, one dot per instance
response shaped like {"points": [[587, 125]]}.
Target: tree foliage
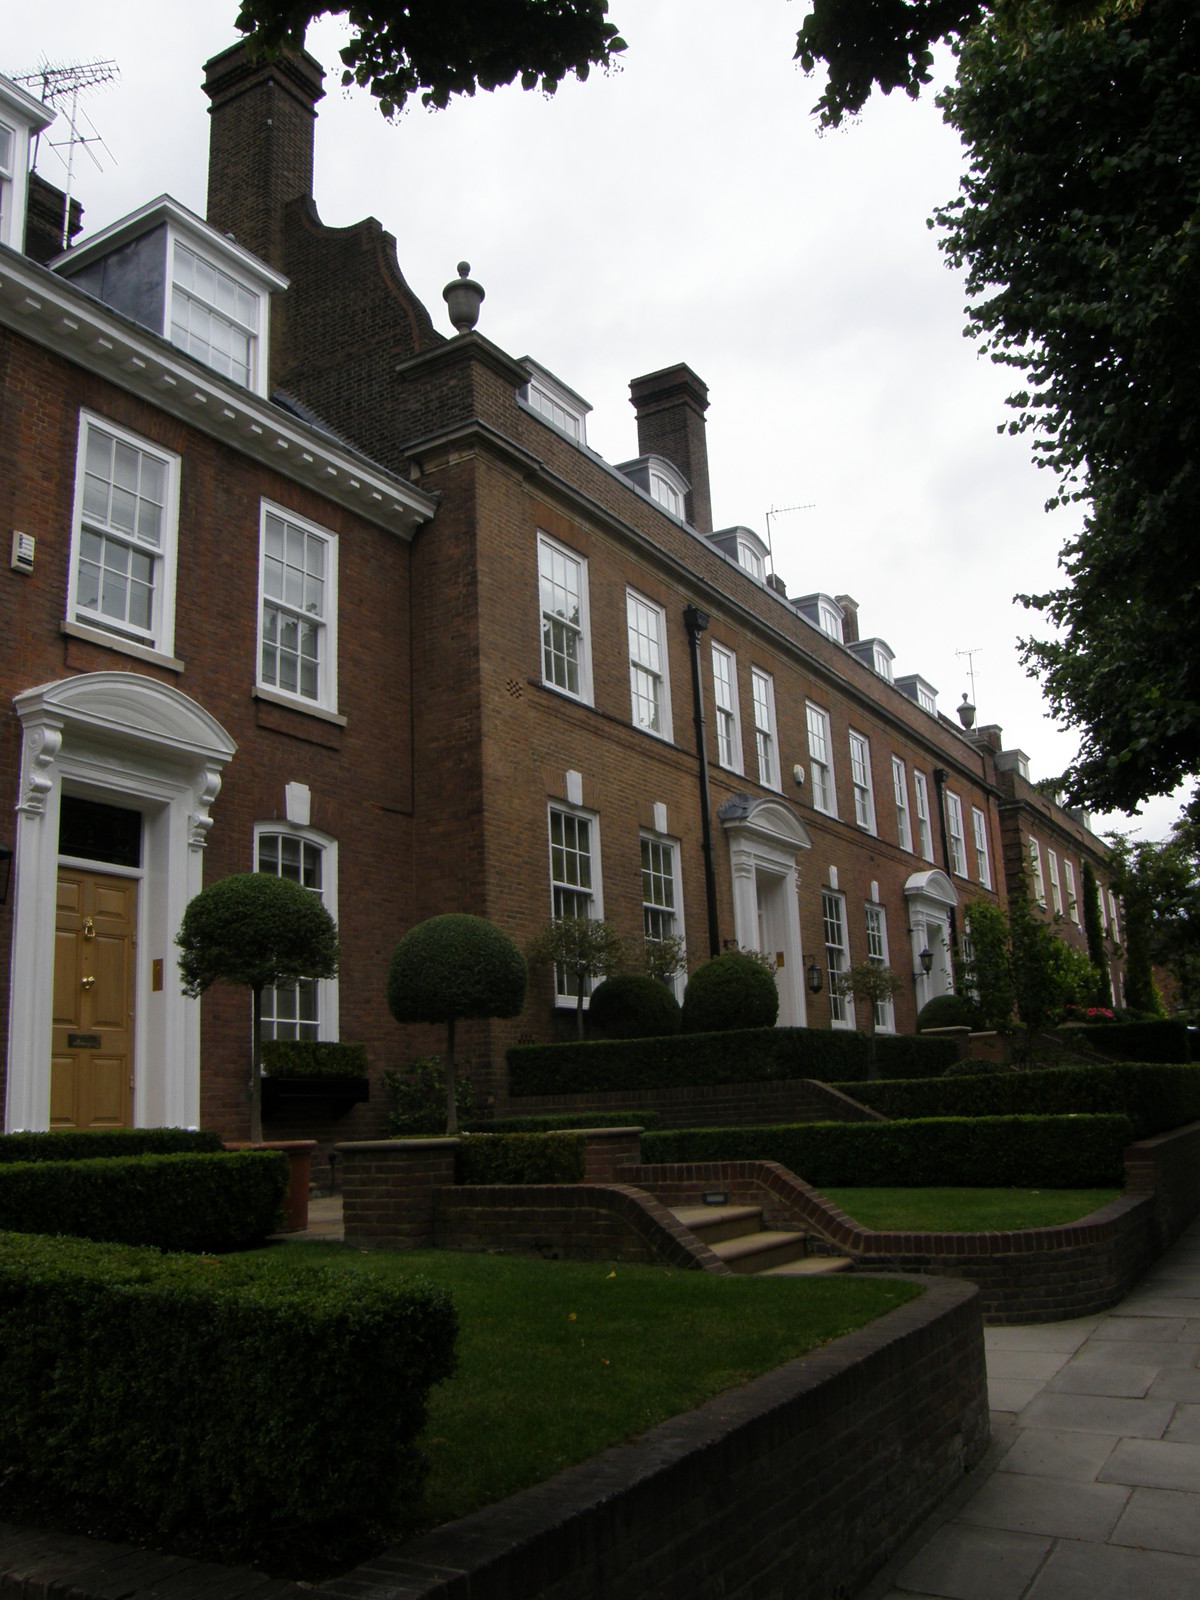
{"points": [[255, 930], [1093, 927], [585, 948], [865, 45], [401, 48], [1159, 885], [987, 970], [1078, 227], [455, 966]]}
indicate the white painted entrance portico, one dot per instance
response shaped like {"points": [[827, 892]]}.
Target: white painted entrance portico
{"points": [[930, 896], [764, 837], [129, 741]]}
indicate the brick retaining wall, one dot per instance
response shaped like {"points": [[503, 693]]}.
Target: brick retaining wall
{"points": [[799, 1485], [713, 1105]]}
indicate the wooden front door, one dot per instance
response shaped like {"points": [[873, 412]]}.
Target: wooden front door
{"points": [[91, 1073]]}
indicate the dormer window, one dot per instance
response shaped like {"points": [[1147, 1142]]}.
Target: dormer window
{"points": [[749, 559], [561, 407], [916, 688], [170, 272], [876, 654], [21, 118], [823, 612], [213, 316], [665, 492]]}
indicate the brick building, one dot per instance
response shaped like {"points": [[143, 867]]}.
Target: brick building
{"points": [[300, 584]]}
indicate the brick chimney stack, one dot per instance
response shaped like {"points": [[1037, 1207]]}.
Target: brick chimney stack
{"points": [[260, 153], [670, 408]]}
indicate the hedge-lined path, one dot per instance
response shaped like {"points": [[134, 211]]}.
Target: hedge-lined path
{"points": [[1091, 1488]]}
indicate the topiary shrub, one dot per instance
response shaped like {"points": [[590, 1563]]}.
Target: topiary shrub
{"points": [[730, 991], [455, 966], [634, 1006], [949, 1011], [417, 1098], [255, 930]]}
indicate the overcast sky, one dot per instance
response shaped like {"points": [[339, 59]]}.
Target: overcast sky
{"points": [[682, 208]]}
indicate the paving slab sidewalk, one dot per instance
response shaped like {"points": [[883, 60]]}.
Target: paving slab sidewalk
{"points": [[1091, 1487]]}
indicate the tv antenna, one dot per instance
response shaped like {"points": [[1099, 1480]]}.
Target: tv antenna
{"points": [[780, 511], [970, 655], [68, 83]]}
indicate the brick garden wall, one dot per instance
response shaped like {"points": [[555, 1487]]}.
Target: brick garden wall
{"points": [[799, 1484], [715, 1105]]}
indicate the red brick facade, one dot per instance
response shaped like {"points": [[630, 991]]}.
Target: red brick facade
{"points": [[434, 770]]}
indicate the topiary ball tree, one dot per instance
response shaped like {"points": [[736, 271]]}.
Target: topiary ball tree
{"points": [[730, 991], [949, 1011], [455, 966], [255, 930], [633, 1005]]}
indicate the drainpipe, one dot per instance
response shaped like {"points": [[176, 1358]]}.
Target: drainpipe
{"points": [[940, 774], [696, 622]]}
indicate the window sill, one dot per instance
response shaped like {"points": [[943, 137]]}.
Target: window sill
{"points": [[125, 647], [565, 694], [304, 707]]}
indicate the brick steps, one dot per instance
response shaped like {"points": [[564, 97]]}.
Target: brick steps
{"points": [[736, 1234]]}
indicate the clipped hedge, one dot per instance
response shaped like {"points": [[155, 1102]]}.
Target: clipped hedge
{"points": [[632, 1005], [313, 1058], [911, 1055], [556, 1121], [751, 1055], [728, 993], [520, 1158], [182, 1202], [268, 1411], [1154, 1098], [86, 1144], [949, 1011], [1164, 1040], [1000, 1152]]}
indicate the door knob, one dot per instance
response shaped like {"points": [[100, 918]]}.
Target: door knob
{"points": [[87, 982]]}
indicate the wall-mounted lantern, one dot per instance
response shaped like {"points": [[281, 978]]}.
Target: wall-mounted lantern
{"points": [[813, 977], [926, 959]]}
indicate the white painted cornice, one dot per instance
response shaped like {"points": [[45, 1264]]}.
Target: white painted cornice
{"points": [[54, 314]]}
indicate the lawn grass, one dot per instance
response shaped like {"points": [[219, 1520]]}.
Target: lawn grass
{"points": [[559, 1359], [967, 1210]]}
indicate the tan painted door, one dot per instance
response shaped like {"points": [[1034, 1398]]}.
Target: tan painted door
{"points": [[92, 1064]]}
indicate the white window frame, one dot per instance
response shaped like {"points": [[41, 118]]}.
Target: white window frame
{"points": [[883, 663], [581, 630], [1112, 918], [982, 860], [7, 186], [653, 910], [750, 560], [726, 714], [877, 955], [1072, 896], [766, 737], [1055, 887], [926, 700], [326, 696], [861, 781], [954, 834], [1035, 865], [829, 621], [900, 794], [924, 828], [1100, 893], [649, 680], [237, 322], [822, 785], [159, 638], [837, 955], [562, 886], [326, 988], [666, 494]]}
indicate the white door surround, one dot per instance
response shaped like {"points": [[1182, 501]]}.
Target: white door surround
{"points": [[931, 895], [123, 739], [764, 838]]}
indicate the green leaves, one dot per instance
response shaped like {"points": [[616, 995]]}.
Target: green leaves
{"points": [[402, 48], [254, 930]]}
